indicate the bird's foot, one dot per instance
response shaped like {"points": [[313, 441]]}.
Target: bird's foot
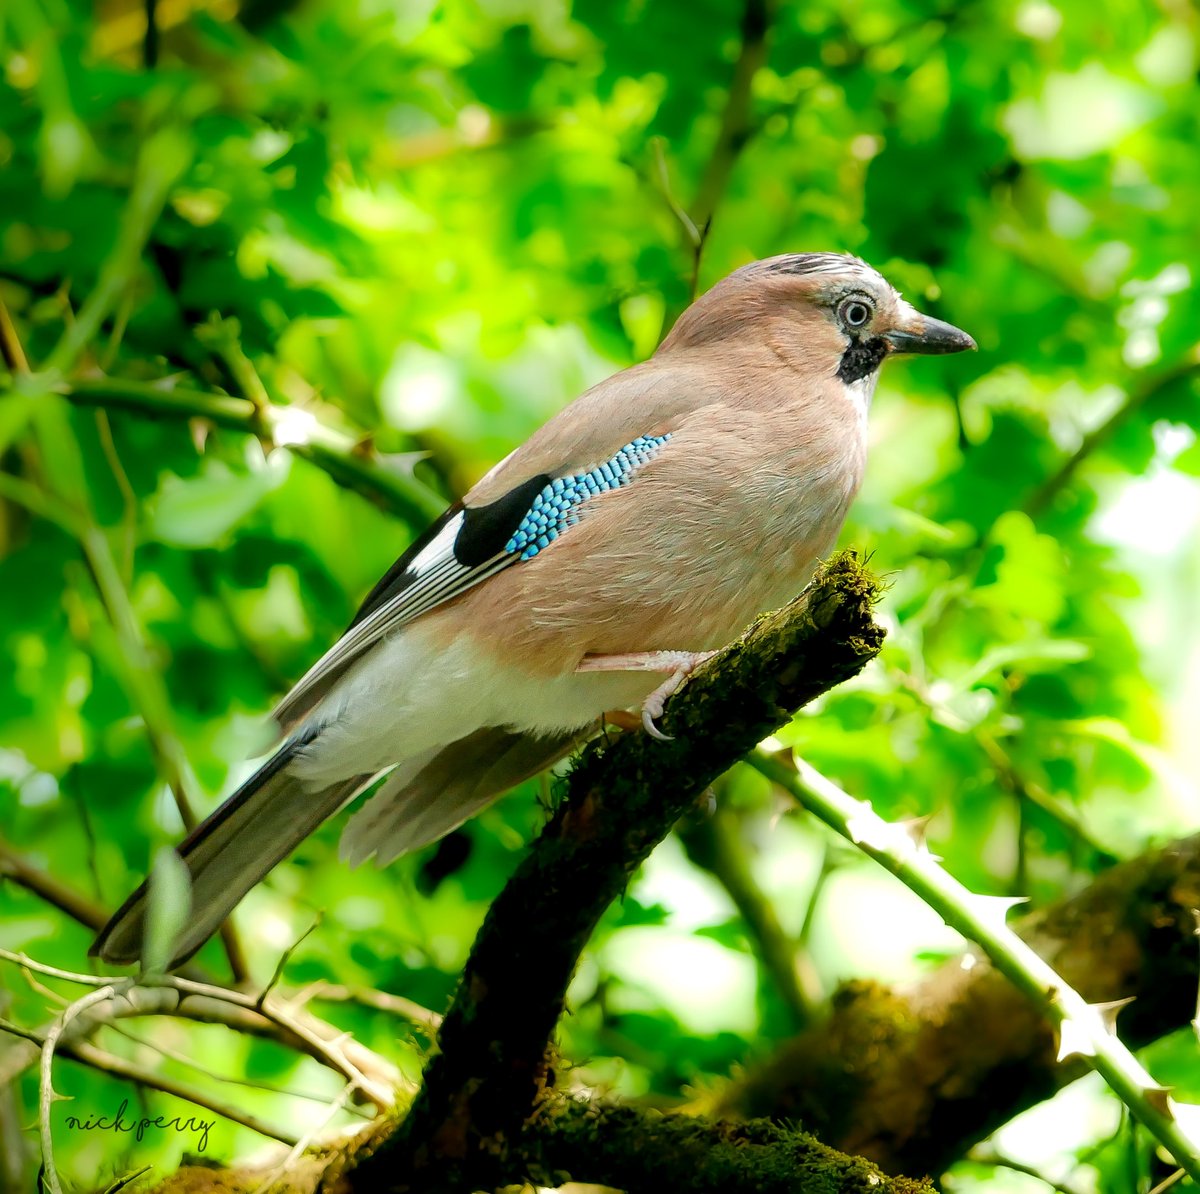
{"points": [[680, 665]]}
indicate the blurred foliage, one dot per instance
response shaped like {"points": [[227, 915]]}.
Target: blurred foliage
{"points": [[431, 225]]}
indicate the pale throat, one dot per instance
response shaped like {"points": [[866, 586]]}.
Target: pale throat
{"points": [[860, 392]]}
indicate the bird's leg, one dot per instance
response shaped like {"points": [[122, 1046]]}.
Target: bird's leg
{"points": [[679, 665]]}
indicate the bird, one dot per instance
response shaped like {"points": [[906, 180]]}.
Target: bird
{"points": [[629, 538]]}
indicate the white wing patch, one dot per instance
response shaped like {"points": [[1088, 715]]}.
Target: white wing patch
{"points": [[438, 548], [432, 577]]}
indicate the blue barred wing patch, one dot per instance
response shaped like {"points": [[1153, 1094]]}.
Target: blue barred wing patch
{"points": [[559, 504]]}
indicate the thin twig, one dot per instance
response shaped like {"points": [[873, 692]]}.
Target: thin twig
{"points": [[693, 234], [336, 452], [733, 135], [46, 887], [11, 351], [129, 502], [53, 998], [1169, 1181], [736, 127], [277, 974], [381, 1001], [1008, 773], [69, 976], [1029, 792], [224, 338], [304, 1142], [120, 321], [827, 867], [981, 1156], [89, 834], [39, 503], [14, 1146], [150, 39], [183, 1059], [110, 1063], [1139, 395], [46, 1093], [127, 1180], [235, 953]]}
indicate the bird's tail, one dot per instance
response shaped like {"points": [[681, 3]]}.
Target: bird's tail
{"points": [[229, 852]]}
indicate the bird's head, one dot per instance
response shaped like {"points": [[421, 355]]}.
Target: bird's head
{"points": [[825, 312]]}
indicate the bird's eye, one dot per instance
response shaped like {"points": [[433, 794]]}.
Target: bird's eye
{"points": [[855, 312]]}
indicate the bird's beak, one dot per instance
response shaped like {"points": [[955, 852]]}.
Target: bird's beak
{"points": [[921, 333]]}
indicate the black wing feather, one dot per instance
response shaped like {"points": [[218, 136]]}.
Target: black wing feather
{"points": [[407, 590]]}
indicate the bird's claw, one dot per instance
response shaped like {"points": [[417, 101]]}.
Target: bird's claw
{"points": [[652, 710], [655, 703], [678, 664]]}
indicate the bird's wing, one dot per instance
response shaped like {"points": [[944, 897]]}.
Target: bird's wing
{"points": [[470, 543], [425, 798]]}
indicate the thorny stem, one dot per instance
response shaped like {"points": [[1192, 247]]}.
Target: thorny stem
{"points": [[1083, 1027]]}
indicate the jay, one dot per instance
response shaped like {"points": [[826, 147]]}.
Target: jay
{"points": [[634, 534]]}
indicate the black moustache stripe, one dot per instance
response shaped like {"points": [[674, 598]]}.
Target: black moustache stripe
{"points": [[862, 358]]}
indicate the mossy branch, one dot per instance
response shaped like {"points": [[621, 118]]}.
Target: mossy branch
{"points": [[622, 800], [636, 1151], [643, 1152]]}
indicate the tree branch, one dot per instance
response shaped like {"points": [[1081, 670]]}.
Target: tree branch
{"points": [[640, 1152], [11, 351], [45, 886], [622, 800], [736, 127], [715, 844], [336, 452]]}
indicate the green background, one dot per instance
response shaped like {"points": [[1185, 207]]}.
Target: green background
{"points": [[429, 227]]}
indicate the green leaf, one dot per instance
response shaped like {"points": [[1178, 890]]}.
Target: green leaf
{"points": [[201, 511], [1029, 653], [168, 908], [1188, 461], [16, 410]]}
